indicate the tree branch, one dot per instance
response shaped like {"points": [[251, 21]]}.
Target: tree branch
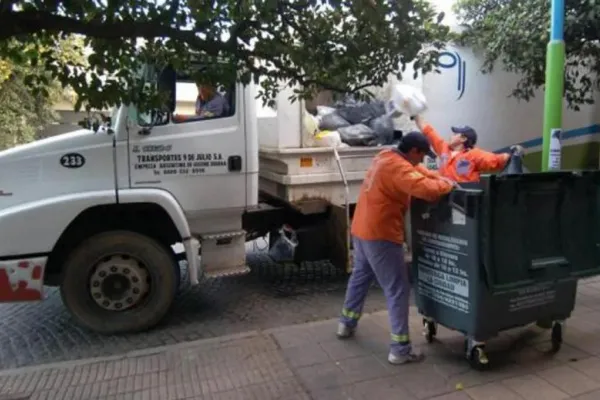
{"points": [[15, 23]]}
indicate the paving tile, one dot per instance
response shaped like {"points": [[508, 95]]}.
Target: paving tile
{"points": [[381, 389], [374, 345], [322, 376], [471, 377], [292, 336], [230, 395], [452, 396], [595, 395], [324, 331], [584, 341], [341, 349], [533, 359], [492, 391], [567, 353], [569, 380], [589, 366], [422, 380], [531, 386], [581, 310], [304, 355], [336, 393], [273, 389], [363, 368], [583, 324]]}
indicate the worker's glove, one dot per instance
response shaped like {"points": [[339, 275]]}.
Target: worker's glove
{"points": [[454, 184], [517, 150]]}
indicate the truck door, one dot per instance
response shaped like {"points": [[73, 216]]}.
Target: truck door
{"points": [[199, 159]]}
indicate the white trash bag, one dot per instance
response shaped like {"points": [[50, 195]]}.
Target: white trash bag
{"points": [[310, 127], [324, 110], [406, 99], [329, 139], [284, 247]]}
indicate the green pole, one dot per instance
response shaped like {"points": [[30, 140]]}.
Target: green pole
{"points": [[555, 67]]}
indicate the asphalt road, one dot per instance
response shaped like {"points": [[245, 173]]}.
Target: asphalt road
{"points": [[271, 296]]}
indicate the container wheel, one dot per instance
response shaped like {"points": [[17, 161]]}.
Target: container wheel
{"points": [[429, 330], [557, 337], [478, 358]]}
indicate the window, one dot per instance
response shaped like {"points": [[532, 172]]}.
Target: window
{"points": [[194, 102]]}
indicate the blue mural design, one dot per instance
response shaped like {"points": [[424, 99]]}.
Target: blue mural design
{"points": [[451, 60]]}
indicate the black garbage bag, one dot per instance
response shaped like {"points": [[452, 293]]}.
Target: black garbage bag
{"points": [[361, 113], [358, 135], [383, 127], [514, 165], [332, 122]]}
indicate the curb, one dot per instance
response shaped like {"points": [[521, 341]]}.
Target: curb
{"points": [[166, 348], [131, 354]]}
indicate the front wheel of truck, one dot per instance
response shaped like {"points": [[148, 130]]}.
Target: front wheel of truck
{"points": [[119, 282]]}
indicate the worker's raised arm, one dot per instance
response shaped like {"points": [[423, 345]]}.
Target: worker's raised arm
{"points": [[487, 161], [413, 182], [429, 131]]}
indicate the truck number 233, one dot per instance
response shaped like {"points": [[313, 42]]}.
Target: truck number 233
{"points": [[72, 160]]}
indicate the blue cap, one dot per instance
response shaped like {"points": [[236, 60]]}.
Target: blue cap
{"points": [[415, 140], [468, 132]]}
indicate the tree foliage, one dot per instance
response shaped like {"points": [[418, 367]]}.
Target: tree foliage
{"points": [[516, 33], [28, 91], [340, 45]]}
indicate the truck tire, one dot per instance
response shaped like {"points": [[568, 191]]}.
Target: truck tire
{"points": [[119, 282]]}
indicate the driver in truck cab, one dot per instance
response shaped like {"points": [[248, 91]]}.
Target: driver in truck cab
{"points": [[460, 160], [209, 104], [378, 237]]}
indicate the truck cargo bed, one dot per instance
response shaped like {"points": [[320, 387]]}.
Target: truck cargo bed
{"points": [[309, 178]]}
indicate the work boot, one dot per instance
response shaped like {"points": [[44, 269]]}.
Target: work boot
{"points": [[412, 357], [344, 331]]}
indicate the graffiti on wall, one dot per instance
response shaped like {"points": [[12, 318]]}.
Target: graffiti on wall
{"points": [[453, 61]]}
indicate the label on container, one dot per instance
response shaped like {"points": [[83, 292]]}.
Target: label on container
{"points": [[441, 276], [458, 217], [532, 297]]}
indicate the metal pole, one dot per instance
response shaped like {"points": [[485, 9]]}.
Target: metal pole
{"points": [[553, 94]]}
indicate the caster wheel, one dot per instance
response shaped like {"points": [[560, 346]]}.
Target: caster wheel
{"points": [[478, 358], [557, 337], [429, 330]]}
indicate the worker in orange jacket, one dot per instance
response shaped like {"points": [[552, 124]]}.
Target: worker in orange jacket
{"points": [[460, 160], [378, 237]]}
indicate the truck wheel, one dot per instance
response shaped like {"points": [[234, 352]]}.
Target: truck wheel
{"points": [[119, 281]]}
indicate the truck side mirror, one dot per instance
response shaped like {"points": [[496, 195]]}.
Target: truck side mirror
{"points": [[167, 84]]}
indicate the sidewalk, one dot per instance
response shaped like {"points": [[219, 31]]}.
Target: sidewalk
{"points": [[308, 362]]}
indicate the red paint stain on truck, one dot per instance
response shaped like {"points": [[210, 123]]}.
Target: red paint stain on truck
{"points": [[21, 280]]}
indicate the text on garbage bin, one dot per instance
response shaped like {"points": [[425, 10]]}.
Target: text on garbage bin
{"points": [[440, 276]]}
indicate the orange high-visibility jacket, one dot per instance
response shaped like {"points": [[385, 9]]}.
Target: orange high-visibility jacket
{"points": [[385, 196], [466, 165]]}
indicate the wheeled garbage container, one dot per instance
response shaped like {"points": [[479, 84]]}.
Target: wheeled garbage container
{"points": [[505, 252]]}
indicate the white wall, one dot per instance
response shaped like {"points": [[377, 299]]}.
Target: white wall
{"points": [[463, 95]]}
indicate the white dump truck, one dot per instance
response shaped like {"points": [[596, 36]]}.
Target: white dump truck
{"points": [[97, 213]]}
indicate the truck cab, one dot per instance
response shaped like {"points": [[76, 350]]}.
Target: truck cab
{"points": [[96, 213]]}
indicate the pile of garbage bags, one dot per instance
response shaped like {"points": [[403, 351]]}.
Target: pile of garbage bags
{"points": [[356, 123]]}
